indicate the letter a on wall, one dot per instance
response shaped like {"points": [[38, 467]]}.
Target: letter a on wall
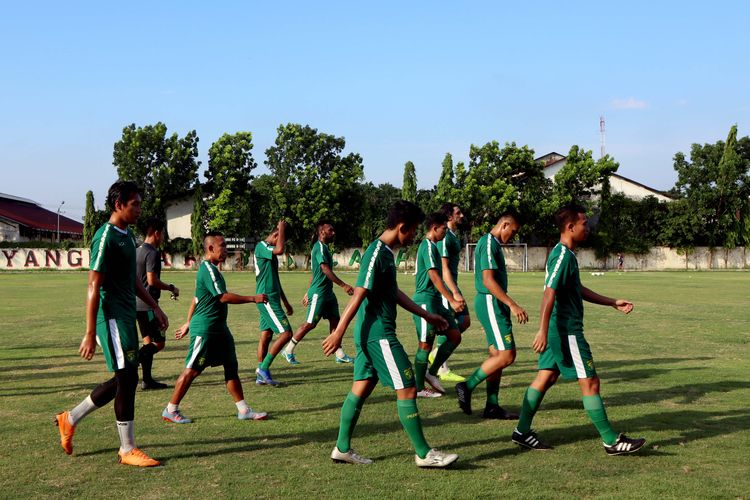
{"points": [[356, 257]]}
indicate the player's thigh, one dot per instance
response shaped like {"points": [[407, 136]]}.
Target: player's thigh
{"points": [[272, 317], [197, 356], [391, 363], [496, 323], [425, 331], [149, 326], [118, 339]]}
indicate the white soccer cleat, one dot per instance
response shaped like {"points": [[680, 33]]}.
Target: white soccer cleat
{"points": [[434, 382], [428, 393], [436, 459], [350, 457]]}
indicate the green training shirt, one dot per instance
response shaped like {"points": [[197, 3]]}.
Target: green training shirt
{"points": [[266, 271], [210, 315], [113, 254], [428, 257], [450, 248], [320, 284], [563, 277], [489, 255], [376, 317]]}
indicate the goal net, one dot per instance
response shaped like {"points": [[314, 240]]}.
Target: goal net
{"points": [[516, 256]]}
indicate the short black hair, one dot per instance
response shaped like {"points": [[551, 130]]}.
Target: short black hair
{"points": [[154, 224], [404, 212], [567, 214], [209, 235], [509, 214], [121, 191], [435, 218], [447, 209]]}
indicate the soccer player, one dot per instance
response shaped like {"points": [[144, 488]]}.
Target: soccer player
{"points": [[494, 308], [560, 341], [430, 289], [450, 252], [211, 342], [272, 317], [379, 354], [320, 300], [148, 267], [110, 322]]}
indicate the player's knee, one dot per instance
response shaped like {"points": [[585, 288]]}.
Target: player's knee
{"points": [[407, 393], [465, 324], [159, 346], [231, 372], [454, 336], [425, 346]]}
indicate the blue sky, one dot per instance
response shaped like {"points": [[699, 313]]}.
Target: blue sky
{"points": [[400, 81]]}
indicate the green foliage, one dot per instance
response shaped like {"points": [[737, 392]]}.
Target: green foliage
{"points": [[444, 191], [376, 200], [198, 221], [582, 179], [409, 186], [89, 219]]}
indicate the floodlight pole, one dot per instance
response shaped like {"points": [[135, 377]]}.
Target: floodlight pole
{"points": [[58, 220]]}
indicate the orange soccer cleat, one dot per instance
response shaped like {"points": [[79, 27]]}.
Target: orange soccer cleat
{"points": [[138, 458], [66, 431]]}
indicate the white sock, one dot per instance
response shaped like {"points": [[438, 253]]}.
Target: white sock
{"points": [[84, 408], [340, 353], [290, 346], [172, 408], [127, 435], [242, 406]]}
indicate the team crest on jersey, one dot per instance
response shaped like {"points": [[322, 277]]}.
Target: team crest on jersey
{"points": [[408, 373], [202, 361], [590, 364], [131, 355], [508, 338]]}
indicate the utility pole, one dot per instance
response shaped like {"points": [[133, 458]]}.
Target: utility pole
{"points": [[58, 220], [601, 133]]}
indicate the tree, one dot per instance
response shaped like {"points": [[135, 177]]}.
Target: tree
{"points": [[198, 221], [583, 180], [409, 186], [376, 201], [89, 219], [164, 167], [445, 186], [228, 177]]}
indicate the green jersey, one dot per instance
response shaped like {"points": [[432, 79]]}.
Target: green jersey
{"points": [[266, 271], [210, 315], [376, 318], [450, 248], [489, 255], [428, 258], [562, 276], [320, 284], [113, 254]]}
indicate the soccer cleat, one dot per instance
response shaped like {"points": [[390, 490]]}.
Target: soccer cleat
{"points": [[263, 377], [624, 445], [464, 397], [66, 431], [450, 376], [529, 440], [434, 382], [428, 393], [435, 458], [175, 417], [291, 359], [350, 457], [252, 415], [138, 458], [152, 385], [345, 359], [498, 413]]}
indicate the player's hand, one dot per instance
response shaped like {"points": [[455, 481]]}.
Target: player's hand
{"points": [[261, 298], [438, 322], [161, 318], [540, 342], [175, 292], [332, 342], [623, 306], [88, 347], [289, 308], [348, 289], [182, 331], [458, 305], [304, 301], [520, 313], [282, 224]]}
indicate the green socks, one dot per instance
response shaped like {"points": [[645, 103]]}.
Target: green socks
{"points": [[594, 407], [475, 378], [409, 416], [266, 364], [442, 355], [440, 340], [493, 389], [420, 367], [349, 415], [531, 401]]}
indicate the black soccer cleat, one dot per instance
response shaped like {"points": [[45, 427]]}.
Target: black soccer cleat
{"points": [[152, 385], [624, 445], [498, 413], [464, 397], [529, 440]]}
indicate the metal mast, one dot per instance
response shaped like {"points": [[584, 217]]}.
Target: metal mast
{"points": [[601, 132]]}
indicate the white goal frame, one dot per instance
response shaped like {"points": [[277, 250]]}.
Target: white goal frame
{"points": [[469, 255]]}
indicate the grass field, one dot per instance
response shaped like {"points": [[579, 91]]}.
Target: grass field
{"points": [[676, 371]]}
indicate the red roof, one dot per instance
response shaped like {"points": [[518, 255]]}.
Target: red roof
{"points": [[33, 216]]}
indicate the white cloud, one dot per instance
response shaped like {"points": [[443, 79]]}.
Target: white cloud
{"points": [[629, 103]]}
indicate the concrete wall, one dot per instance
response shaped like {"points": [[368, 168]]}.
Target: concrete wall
{"points": [[178, 216]]}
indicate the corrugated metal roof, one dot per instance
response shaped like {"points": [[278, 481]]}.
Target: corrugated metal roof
{"points": [[30, 214]]}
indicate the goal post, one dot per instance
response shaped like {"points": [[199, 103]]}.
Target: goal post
{"points": [[516, 256]]}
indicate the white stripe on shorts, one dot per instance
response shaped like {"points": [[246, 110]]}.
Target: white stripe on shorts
{"points": [[493, 322], [576, 355], [385, 347], [423, 326], [273, 317], [114, 334], [196, 350], [311, 314]]}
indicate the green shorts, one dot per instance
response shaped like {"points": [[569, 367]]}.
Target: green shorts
{"points": [[495, 319], [272, 318], [384, 359], [321, 306], [568, 354], [149, 326], [119, 342], [211, 350], [432, 304], [458, 315]]}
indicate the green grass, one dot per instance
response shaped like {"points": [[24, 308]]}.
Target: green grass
{"points": [[675, 371]]}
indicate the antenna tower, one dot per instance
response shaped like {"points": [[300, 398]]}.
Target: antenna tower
{"points": [[602, 134]]}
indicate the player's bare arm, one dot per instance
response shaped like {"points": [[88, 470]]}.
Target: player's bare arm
{"points": [[621, 305], [183, 330], [548, 301], [146, 297], [435, 320], [332, 276], [154, 282], [488, 279], [333, 341], [304, 300], [450, 282], [437, 281], [88, 344], [278, 249], [233, 298]]}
